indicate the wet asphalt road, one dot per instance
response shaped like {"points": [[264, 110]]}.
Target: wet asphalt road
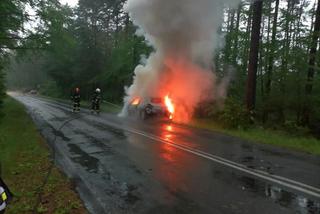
{"points": [[125, 166]]}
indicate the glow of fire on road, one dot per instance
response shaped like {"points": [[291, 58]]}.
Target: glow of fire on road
{"points": [[169, 128]]}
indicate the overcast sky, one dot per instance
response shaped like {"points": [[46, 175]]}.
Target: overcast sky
{"points": [[72, 3]]}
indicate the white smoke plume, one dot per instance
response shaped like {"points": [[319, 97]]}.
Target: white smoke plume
{"points": [[184, 34]]}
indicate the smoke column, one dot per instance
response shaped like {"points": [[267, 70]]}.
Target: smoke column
{"points": [[184, 36]]}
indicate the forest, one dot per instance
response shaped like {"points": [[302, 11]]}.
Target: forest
{"points": [[271, 49]]}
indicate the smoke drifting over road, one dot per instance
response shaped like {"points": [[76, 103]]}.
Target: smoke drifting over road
{"points": [[184, 36]]}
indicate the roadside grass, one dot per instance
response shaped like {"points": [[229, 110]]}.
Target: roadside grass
{"points": [[265, 136], [25, 160]]}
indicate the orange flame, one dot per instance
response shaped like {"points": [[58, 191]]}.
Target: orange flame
{"points": [[170, 106], [136, 101]]}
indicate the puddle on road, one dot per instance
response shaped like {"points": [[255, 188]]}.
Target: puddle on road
{"points": [[300, 204], [60, 134], [119, 133], [247, 147], [259, 164], [60, 119], [88, 162], [102, 143]]}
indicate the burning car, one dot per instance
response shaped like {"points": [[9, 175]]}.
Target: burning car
{"points": [[151, 106]]}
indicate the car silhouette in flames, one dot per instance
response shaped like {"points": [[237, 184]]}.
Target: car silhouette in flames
{"points": [[145, 108]]}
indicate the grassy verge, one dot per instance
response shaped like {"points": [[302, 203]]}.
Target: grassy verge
{"points": [[25, 161], [260, 135]]}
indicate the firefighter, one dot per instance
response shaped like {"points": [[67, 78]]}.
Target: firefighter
{"points": [[95, 101], [5, 196], [76, 100], [3, 203]]}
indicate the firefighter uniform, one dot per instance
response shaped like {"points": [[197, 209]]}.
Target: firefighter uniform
{"points": [[96, 100], [76, 100], [5, 196], [3, 199]]}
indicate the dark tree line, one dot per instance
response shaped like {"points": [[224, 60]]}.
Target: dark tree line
{"points": [[279, 63], [92, 45], [272, 45], [10, 21]]}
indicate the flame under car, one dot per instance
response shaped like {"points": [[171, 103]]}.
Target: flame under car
{"points": [[145, 108]]}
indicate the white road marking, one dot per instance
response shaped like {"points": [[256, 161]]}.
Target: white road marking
{"points": [[295, 185], [291, 184]]}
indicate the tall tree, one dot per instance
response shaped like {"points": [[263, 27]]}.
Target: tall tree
{"points": [[236, 42], [229, 36], [57, 28], [312, 63], [246, 48], [11, 19], [313, 51], [272, 49], [253, 56]]}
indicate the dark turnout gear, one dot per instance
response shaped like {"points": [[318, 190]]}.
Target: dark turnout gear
{"points": [[95, 101], [76, 100], [5, 196]]}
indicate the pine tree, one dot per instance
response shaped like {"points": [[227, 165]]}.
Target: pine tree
{"points": [[272, 49], [253, 57], [312, 63]]}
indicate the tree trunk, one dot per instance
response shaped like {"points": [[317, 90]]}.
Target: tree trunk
{"points": [[235, 50], [313, 51], [229, 36], [312, 63], [299, 46], [246, 48], [286, 48], [272, 49], [297, 31], [253, 56], [260, 66], [268, 35]]}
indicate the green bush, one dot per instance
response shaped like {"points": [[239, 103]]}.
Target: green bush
{"points": [[51, 89], [235, 115], [292, 128]]}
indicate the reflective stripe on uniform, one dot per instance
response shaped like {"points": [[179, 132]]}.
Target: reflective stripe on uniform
{"points": [[3, 206], [3, 199], [4, 196]]}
